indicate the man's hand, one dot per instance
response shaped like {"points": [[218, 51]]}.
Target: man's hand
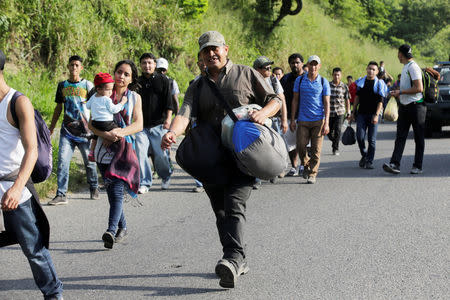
{"points": [[293, 125], [168, 139], [10, 199], [395, 93], [375, 119], [325, 129], [351, 117], [117, 133], [284, 126], [257, 117]]}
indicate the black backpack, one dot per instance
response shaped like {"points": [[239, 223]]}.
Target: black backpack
{"points": [[430, 78], [43, 167]]}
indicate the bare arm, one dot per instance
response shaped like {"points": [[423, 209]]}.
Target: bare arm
{"points": [[326, 108], [56, 114], [177, 127], [352, 117], [137, 124], [294, 109], [25, 114], [416, 88], [168, 119], [269, 110], [377, 113], [284, 116]]}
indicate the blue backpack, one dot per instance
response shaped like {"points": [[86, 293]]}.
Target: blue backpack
{"points": [[43, 167]]}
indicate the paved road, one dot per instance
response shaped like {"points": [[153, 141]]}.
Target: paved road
{"points": [[354, 234]]}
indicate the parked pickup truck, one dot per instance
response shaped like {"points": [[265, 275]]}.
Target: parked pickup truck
{"points": [[438, 114]]}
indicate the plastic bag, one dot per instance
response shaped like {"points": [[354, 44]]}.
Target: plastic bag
{"points": [[391, 111]]}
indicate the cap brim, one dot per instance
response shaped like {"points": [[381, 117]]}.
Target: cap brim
{"points": [[210, 44]]}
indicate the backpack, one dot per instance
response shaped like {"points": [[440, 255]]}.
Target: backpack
{"points": [[43, 167], [430, 78]]}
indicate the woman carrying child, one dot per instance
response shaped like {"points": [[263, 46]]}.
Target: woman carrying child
{"points": [[109, 159]]}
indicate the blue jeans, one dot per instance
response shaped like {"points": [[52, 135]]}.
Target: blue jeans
{"points": [[66, 148], [22, 223], [115, 188], [151, 138], [363, 124]]}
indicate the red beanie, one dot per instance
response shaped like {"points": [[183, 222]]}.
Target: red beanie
{"points": [[101, 78]]}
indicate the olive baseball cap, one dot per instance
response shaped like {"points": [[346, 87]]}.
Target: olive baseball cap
{"points": [[211, 38], [314, 58], [261, 62]]}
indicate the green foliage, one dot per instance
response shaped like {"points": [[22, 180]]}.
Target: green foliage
{"points": [[194, 8], [397, 21]]}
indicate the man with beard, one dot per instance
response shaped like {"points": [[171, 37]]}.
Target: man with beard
{"points": [[287, 82]]}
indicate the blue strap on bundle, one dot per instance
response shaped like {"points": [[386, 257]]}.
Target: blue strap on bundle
{"points": [[244, 134]]}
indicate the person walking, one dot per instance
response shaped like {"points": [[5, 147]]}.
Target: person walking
{"points": [[366, 111], [412, 111], [295, 61], [311, 102], [22, 219], [130, 121], [279, 123], [244, 86], [339, 106], [73, 94], [157, 113]]}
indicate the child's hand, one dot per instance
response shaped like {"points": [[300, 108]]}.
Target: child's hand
{"points": [[124, 100]]}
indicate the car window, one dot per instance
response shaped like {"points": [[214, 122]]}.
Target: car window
{"points": [[445, 76]]}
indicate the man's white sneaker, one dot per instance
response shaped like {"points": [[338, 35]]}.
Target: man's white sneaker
{"points": [[165, 184], [415, 170], [143, 189]]}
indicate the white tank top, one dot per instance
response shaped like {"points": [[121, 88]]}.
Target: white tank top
{"points": [[11, 148]]}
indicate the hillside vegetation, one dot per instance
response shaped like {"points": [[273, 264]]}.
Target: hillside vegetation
{"points": [[38, 36]]}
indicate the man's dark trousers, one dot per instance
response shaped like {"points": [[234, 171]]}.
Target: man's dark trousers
{"points": [[229, 204], [412, 114], [335, 130]]}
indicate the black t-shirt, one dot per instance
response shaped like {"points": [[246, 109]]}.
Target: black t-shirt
{"points": [[287, 82], [368, 99], [156, 99]]}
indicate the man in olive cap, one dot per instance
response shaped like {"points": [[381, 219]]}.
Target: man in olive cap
{"points": [[240, 85]]}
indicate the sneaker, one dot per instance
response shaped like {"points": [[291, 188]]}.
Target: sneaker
{"points": [[121, 234], [292, 172], [391, 168], [415, 170], [58, 200], [143, 189], [362, 162], [273, 180], [198, 189], [226, 271], [369, 166], [257, 185], [94, 193], [165, 184], [300, 170], [335, 152], [108, 240], [311, 180], [243, 268], [305, 174]]}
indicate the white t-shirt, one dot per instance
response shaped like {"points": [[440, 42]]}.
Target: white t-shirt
{"points": [[102, 108], [11, 149], [411, 71]]}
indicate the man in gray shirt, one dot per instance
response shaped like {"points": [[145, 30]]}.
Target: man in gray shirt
{"points": [[240, 85]]}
